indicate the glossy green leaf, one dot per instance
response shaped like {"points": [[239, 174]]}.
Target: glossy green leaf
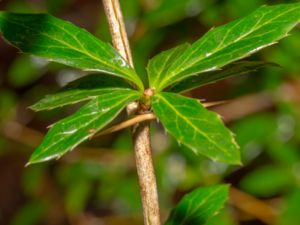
{"points": [[61, 41], [233, 41], [233, 69], [66, 134], [197, 207], [196, 127], [159, 65], [82, 89]]}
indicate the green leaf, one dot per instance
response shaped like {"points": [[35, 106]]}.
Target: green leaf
{"points": [[268, 180], [223, 218], [77, 195], [233, 41], [196, 127], [30, 213], [61, 41], [23, 71], [290, 212], [159, 64], [197, 207], [82, 89], [233, 69], [66, 134], [168, 12]]}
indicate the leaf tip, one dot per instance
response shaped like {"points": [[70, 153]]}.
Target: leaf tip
{"points": [[39, 106], [33, 160], [28, 164], [238, 163], [236, 160], [37, 158], [33, 108], [225, 188]]}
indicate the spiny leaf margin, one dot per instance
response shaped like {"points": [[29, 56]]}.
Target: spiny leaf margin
{"points": [[233, 41], [193, 125], [82, 89], [66, 134], [231, 70]]}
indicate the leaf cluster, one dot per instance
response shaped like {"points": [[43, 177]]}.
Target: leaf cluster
{"points": [[113, 84]]}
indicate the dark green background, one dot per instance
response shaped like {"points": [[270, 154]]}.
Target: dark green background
{"points": [[98, 181]]}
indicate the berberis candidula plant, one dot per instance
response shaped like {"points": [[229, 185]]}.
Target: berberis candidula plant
{"points": [[115, 84]]}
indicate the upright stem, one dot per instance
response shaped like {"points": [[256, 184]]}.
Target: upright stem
{"points": [[141, 132], [146, 174], [117, 28]]}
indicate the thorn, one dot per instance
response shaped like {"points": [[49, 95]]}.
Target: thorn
{"points": [[210, 104]]}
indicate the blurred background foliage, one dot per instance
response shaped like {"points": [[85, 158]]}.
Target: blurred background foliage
{"points": [[97, 183]]}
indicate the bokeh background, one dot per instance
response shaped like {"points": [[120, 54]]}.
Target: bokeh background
{"points": [[97, 183]]}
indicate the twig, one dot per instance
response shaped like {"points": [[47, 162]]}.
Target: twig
{"points": [[117, 28], [128, 123], [244, 106], [141, 118], [253, 206], [141, 133]]}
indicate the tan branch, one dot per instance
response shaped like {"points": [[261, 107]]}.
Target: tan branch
{"points": [[117, 28], [128, 123], [252, 206], [245, 105], [141, 118]]}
